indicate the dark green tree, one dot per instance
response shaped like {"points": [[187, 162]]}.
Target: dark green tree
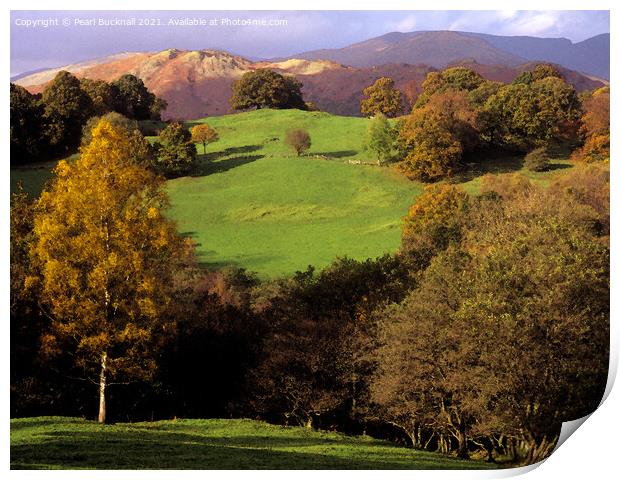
{"points": [[175, 151], [135, 100], [26, 125], [266, 89], [66, 109], [455, 78], [538, 73], [103, 95]]}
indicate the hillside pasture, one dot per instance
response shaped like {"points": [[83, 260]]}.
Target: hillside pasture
{"points": [[252, 203]]}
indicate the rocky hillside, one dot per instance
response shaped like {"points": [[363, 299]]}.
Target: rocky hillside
{"points": [[198, 83]]}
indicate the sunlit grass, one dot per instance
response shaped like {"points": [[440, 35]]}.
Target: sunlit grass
{"points": [[72, 443]]}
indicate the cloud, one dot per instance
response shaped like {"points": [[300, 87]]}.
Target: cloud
{"points": [[407, 24], [576, 25]]}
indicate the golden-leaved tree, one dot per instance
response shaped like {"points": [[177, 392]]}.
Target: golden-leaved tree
{"points": [[382, 97], [106, 258]]}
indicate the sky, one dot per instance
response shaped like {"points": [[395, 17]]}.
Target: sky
{"points": [[44, 39]]}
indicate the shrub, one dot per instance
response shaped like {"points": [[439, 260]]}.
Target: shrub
{"points": [[298, 140], [537, 160]]}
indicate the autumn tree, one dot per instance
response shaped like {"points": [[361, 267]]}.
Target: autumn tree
{"points": [[204, 134], [412, 91], [421, 382], [450, 79], [265, 88], [105, 254], [66, 109], [435, 221], [433, 151], [140, 150], [26, 125], [382, 97], [298, 140], [595, 127], [174, 150], [315, 362], [436, 134], [527, 283]]}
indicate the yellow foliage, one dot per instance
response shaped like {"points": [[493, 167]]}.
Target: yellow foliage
{"points": [[105, 252], [436, 206]]}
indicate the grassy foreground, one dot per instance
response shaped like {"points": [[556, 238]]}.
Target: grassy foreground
{"points": [[72, 443]]}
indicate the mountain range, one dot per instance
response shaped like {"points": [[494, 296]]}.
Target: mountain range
{"points": [[197, 83], [440, 48]]}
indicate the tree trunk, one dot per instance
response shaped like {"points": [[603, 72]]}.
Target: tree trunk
{"points": [[462, 440], [102, 385]]}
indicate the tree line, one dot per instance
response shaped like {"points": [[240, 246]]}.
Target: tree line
{"points": [[458, 116], [49, 125]]}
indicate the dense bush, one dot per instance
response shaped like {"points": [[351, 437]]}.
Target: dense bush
{"points": [[537, 160]]}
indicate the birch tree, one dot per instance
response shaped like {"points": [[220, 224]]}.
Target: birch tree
{"points": [[105, 255]]}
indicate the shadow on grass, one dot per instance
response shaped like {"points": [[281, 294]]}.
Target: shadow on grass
{"points": [[479, 164], [211, 156], [477, 167], [239, 261], [339, 154], [558, 166], [138, 448], [207, 167]]}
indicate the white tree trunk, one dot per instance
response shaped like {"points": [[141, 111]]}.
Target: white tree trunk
{"points": [[102, 385]]}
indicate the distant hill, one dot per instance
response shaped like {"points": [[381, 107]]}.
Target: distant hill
{"points": [[436, 49], [590, 56], [440, 48], [197, 83]]}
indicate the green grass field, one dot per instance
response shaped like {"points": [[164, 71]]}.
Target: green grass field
{"points": [[72, 443], [251, 203]]}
